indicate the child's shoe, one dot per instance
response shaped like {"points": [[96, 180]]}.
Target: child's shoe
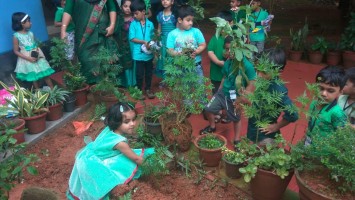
{"points": [[207, 130]]}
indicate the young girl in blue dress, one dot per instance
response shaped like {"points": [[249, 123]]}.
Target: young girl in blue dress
{"points": [[166, 23], [108, 162], [31, 64]]}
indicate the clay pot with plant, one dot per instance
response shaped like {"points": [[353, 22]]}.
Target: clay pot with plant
{"points": [[210, 148], [185, 95], [30, 106], [333, 54], [233, 161], [325, 168], [298, 40], [16, 124], [54, 102], [73, 80], [317, 50], [152, 113], [347, 43]]}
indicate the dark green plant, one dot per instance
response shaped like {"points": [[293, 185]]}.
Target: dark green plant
{"points": [[108, 69], [334, 153], [152, 112], [347, 41], [12, 162], [199, 10], [210, 141], [157, 164], [56, 95], [298, 38], [73, 79], [320, 44], [233, 156]]}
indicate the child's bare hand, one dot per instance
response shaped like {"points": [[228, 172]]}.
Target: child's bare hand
{"points": [[193, 55], [32, 59], [147, 45], [109, 30], [271, 128]]}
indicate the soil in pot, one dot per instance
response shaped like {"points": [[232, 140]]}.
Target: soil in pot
{"points": [[266, 185], [232, 169], [177, 134], [16, 124], [317, 185], [55, 112], [35, 124], [211, 157], [81, 96]]}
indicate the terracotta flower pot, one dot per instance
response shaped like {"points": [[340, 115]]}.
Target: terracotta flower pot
{"points": [[295, 55], [19, 125], [55, 112], [349, 59], [232, 169], [81, 95], [108, 99], [333, 58], [306, 192], [315, 57], [211, 157], [35, 124], [266, 185]]}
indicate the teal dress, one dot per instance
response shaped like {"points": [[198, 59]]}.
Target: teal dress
{"points": [[26, 70], [99, 167]]}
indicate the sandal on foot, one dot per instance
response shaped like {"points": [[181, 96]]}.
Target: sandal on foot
{"points": [[217, 118], [207, 130], [225, 120], [235, 142]]}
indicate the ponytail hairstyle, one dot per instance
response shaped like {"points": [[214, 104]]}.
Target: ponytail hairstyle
{"points": [[115, 115], [19, 18]]}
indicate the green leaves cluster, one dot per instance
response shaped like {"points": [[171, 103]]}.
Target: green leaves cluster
{"points": [[233, 156], [210, 141], [335, 152], [56, 95], [347, 41], [320, 44], [12, 162], [298, 38]]}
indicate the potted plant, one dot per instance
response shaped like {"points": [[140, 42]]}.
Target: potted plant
{"points": [[54, 102], [73, 80], [325, 168], [108, 69], [233, 161], [298, 40], [347, 43], [210, 148], [16, 124], [30, 105], [185, 94], [333, 54], [317, 50], [13, 161]]}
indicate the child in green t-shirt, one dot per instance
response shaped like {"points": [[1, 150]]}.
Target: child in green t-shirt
{"points": [[70, 30], [257, 35], [347, 100]]}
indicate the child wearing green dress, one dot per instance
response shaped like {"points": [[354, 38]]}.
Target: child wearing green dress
{"points": [[31, 64], [327, 116], [108, 162]]}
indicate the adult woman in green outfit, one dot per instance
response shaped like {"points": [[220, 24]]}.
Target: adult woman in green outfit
{"points": [[94, 25]]}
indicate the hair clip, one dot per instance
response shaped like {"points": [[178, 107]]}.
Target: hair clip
{"points": [[121, 108], [319, 78]]}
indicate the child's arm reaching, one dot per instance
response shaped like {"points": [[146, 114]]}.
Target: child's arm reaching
{"points": [[272, 128], [126, 150], [214, 59], [201, 47], [18, 53]]}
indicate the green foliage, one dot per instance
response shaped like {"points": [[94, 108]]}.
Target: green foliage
{"points": [[153, 112], [298, 38], [233, 156], [334, 152], [157, 164], [266, 105], [56, 95], [272, 157], [73, 79], [320, 44], [26, 102], [13, 162], [199, 10], [347, 41], [107, 68], [127, 196], [100, 110], [210, 141], [185, 90]]}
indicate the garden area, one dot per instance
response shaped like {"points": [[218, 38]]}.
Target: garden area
{"points": [[186, 164]]}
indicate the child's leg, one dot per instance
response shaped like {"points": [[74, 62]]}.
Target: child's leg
{"points": [[148, 74], [237, 129], [48, 82], [35, 84], [139, 73]]}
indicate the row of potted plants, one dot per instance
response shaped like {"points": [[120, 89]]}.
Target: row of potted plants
{"points": [[344, 50]]}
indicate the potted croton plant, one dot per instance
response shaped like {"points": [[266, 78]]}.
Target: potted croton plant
{"points": [[30, 106], [317, 50], [210, 148], [325, 168], [73, 80], [54, 102]]}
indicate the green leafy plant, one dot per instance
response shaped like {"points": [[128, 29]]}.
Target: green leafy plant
{"points": [[26, 102], [56, 95], [210, 141], [108, 68], [199, 10], [320, 44], [347, 41], [298, 38], [73, 79], [272, 157], [13, 161], [233, 156], [335, 153], [152, 112]]}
